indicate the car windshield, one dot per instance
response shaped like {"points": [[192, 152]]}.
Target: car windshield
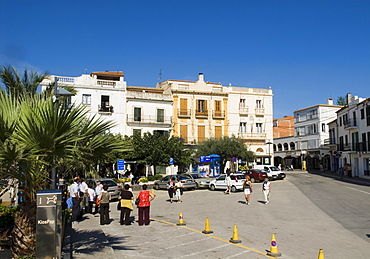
{"points": [[240, 176], [274, 168]]}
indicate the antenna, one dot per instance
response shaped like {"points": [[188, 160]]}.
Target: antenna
{"points": [[85, 71], [160, 75]]}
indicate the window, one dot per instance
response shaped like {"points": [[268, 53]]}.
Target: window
{"points": [[217, 106], [259, 127], [136, 132], [184, 132], [218, 131], [137, 114], [160, 115], [184, 107], [160, 132], [340, 121], [104, 103], [345, 119], [243, 127], [323, 127], [201, 106], [362, 111], [258, 104], [242, 103], [297, 118], [86, 99], [368, 115]]}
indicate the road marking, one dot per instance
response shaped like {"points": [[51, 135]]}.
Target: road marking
{"points": [[193, 241], [357, 190], [203, 251], [235, 255], [223, 240]]}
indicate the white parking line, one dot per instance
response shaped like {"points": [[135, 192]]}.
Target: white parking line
{"points": [[236, 255], [203, 251], [357, 190], [183, 244]]}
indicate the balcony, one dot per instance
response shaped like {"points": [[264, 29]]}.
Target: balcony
{"points": [[184, 113], [350, 124], [106, 83], [259, 136], [331, 142], [243, 110], [105, 109], [149, 119], [259, 111], [218, 115], [201, 114]]}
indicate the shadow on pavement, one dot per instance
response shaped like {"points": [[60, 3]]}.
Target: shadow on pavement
{"points": [[333, 175]]}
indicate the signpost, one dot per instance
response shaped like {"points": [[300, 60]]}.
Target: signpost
{"points": [[121, 164]]}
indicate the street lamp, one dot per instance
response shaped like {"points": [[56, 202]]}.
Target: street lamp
{"points": [[269, 143]]}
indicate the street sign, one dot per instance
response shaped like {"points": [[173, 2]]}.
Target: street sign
{"points": [[121, 164], [234, 159], [172, 161], [205, 159]]}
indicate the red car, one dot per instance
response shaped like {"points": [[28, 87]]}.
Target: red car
{"points": [[256, 175]]}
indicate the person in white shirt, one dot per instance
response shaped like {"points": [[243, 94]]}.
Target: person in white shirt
{"points": [[91, 198], [98, 191], [75, 194], [84, 195], [266, 189]]}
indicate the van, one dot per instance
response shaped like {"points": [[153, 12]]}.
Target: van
{"points": [[272, 171]]}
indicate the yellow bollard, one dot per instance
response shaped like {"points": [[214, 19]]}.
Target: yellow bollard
{"points": [[181, 220], [153, 192], [273, 247], [235, 238], [321, 254], [207, 230]]}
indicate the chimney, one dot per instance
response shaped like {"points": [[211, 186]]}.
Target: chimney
{"points": [[330, 101], [349, 98], [201, 77]]}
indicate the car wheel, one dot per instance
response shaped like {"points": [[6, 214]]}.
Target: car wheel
{"points": [[156, 186], [233, 189], [212, 187], [253, 180]]}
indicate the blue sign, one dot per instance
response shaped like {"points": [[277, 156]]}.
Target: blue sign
{"points": [[172, 161], [121, 164], [205, 159]]}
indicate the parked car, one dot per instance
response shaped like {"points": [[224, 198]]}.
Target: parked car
{"points": [[256, 175], [272, 171], [113, 188], [186, 181], [237, 181], [281, 176], [200, 181]]}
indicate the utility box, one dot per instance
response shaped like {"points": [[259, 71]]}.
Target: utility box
{"points": [[49, 224]]}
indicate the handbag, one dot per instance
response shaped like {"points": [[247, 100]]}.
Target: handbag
{"points": [[97, 202], [119, 205], [137, 201]]}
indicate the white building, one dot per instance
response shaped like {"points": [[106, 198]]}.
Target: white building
{"points": [[350, 136]]}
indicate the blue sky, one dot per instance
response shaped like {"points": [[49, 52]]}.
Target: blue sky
{"points": [[307, 51]]}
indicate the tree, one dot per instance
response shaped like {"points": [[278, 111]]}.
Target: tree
{"points": [[226, 148], [341, 101], [156, 150], [37, 136]]}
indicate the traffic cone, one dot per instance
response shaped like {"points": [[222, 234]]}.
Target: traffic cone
{"points": [[207, 230], [273, 248], [321, 254], [235, 238], [181, 220]]}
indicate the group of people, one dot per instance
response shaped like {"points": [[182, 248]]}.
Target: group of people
{"points": [[174, 187], [247, 188]]}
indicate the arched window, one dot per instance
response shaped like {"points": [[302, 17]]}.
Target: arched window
{"points": [[274, 146], [292, 146], [280, 147], [286, 147]]}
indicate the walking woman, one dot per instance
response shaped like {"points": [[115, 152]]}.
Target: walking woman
{"points": [[105, 197], [247, 186], [126, 205], [171, 188], [178, 186], [145, 197], [228, 182]]}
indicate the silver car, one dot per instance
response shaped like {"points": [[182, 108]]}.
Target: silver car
{"points": [[187, 182], [200, 181], [113, 188]]}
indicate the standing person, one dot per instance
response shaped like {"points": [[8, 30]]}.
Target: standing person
{"points": [[105, 197], [170, 188], [91, 199], [228, 182], [178, 186], [98, 191], [341, 171], [349, 170], [131, 176], [126, 205], [266, 189], [75, 194], [84, 195], [247, 186], [145, 197]]}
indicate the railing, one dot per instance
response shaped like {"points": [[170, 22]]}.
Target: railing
{"points": [[203, 113], [149, 119], [184, 113], [64, 79], [350, 124], [243, 135], [106, 83], [259, 111], [218, 114], [105, 109], [329, 141], [243, 110]]}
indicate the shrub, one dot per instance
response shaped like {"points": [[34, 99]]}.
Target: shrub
{"points": [[155, 177], [143, 180], [7, 215]]}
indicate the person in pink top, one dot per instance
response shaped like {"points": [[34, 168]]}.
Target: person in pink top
{"points": [[145, 197]]}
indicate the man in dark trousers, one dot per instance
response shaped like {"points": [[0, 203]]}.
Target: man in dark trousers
{"points": [[75, 193]]}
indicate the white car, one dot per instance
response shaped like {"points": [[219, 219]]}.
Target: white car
{"points": [[272, 171], [237, 181]]}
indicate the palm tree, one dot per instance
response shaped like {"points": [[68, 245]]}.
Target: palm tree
{"points": [[37, 136]]}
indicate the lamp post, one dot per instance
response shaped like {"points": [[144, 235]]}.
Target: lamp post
{"points": [[269, 143]]}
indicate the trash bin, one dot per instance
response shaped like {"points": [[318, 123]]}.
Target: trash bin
{"points": [[49, 224]]}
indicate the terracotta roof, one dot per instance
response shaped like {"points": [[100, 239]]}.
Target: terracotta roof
{"points": [[108, 73]]}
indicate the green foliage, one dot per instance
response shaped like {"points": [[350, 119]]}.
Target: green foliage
{"points": [[155, 177], [341, 100], [226, 148], [66, 215], [7, 215]]}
